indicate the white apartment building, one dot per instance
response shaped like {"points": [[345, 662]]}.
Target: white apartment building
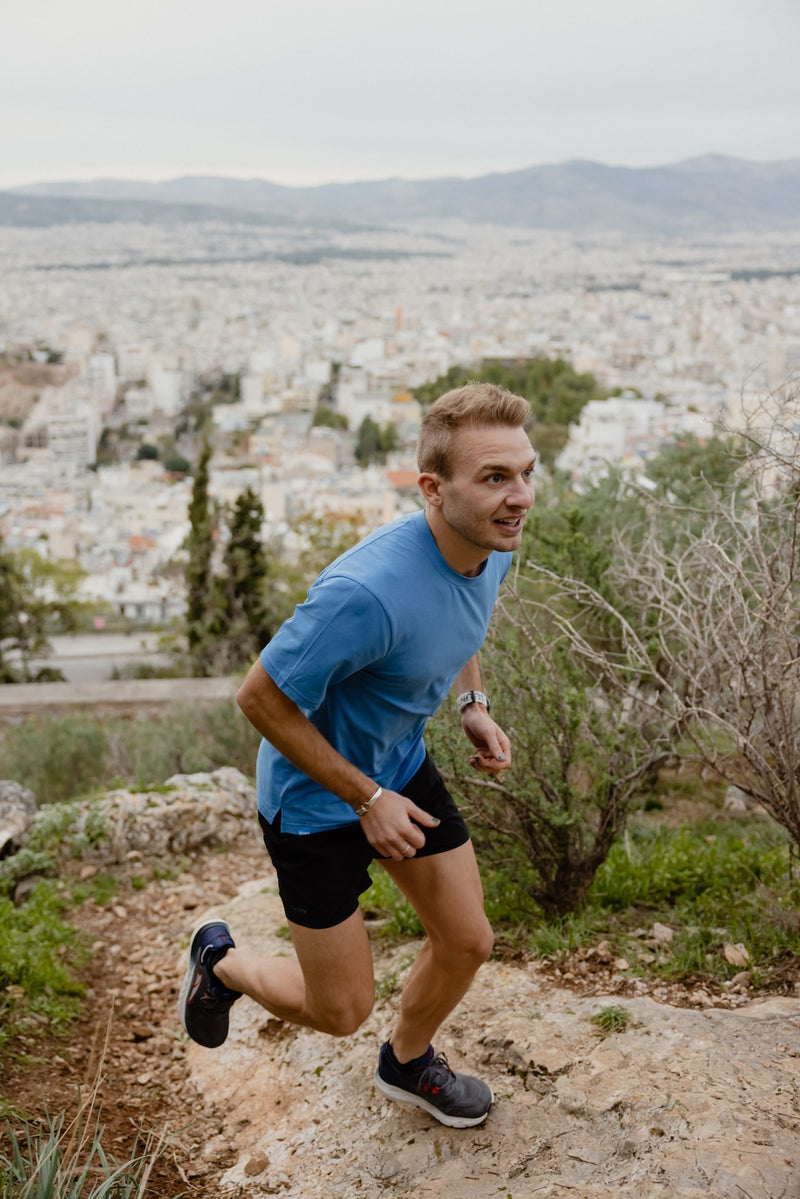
{"points": [[624, 430], [62, 427]]}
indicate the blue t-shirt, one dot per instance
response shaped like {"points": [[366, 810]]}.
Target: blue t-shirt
{"points": [[369, 657]]}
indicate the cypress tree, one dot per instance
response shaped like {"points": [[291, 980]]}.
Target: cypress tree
{"points": [[199, 576], [246, 580]]}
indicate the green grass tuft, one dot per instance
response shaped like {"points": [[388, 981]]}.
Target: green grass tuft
{"points": [[610, 1020]]}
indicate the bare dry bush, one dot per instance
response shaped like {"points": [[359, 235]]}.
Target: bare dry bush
{"points": [[714, 646]]}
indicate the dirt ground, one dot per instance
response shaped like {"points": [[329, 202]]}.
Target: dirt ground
{"points": [[139, 942], [130, 1031]]}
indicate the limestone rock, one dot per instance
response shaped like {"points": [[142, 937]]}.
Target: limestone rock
{"points": [[189, 811], [684, 1102], [17, 814]]}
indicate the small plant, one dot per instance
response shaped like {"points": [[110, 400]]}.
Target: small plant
{"points": [[53, 1159], [610, 1020], [23, 864], [36, 985], [385, 986]]}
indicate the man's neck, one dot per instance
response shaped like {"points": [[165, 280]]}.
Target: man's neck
{"points": [[463, 558]]}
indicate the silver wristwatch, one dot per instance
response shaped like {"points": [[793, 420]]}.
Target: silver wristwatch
{"points": [[472, 697]]}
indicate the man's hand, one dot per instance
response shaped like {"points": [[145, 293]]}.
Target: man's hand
{"points": [[392, 826], [493, 746]]}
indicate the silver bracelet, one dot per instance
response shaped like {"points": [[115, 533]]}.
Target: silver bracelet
{"points": [[365, 807]]}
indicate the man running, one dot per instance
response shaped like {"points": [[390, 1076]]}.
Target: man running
{"points": [[341, 696]]}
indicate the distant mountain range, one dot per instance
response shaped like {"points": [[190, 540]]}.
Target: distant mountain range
{"points": [[711, 193]]}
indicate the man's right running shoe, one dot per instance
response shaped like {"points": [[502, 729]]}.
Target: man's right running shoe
{"points": [[204, 1001], [457, 1100]]}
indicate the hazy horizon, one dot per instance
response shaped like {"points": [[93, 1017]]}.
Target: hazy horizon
{"points": [[309, 94], [252, 177]]}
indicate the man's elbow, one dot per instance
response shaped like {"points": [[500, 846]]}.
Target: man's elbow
{"points": [[249, 696]]}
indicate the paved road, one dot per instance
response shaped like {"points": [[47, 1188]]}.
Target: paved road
{"points": [[128, 695], [92, 657], [87, 661]]}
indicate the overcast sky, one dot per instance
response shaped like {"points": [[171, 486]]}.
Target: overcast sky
{"points": [[309, 91]]}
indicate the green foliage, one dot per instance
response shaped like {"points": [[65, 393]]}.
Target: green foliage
{"points": [[199, 575], [39, 951], [687, 470], [177, 464], [327, 417], [242, 620], [52, 1160], [374, 442], [700, 865], [571, 533], [57, 757], [63, 757], [23, 864], [611, 1019], [580, 754], [147, 452], [556, 392], [38, 598], [715, 883], [230, 611]]}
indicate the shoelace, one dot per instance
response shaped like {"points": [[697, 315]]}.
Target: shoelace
{"points": [[437, 1076], [216, 994]]}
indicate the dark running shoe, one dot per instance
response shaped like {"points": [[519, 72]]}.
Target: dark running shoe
{"points": [[204, 1001], [457, 1100]]}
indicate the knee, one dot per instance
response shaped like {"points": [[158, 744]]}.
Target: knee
{"points": [[475, 945], [483, 943], [344, 1020]]}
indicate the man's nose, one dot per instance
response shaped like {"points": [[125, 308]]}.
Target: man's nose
{"points": [[521, 493]]}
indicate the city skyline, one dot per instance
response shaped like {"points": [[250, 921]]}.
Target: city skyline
{"points": [[312, 93]]}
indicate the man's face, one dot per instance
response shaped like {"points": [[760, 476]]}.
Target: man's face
{"points": [[486, 500]]}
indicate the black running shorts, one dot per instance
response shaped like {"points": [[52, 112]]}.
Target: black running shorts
{"points": [[321, 875]]}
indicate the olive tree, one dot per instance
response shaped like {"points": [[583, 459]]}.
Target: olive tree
{"points": [[582, 746]]}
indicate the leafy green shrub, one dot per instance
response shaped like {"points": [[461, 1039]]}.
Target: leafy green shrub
{"points": [[703, 864], [719, 885], [189, 739], [64, 757], [57, 757], [23, 864], [38, 952]]}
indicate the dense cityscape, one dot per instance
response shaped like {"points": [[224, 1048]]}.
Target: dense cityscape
{"points": [[687, 332]]}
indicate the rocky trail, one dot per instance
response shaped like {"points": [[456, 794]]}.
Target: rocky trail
{"points": [[694, 1095]]}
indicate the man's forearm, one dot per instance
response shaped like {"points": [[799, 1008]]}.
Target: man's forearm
{"points": [[469, 677], [277, 718]]}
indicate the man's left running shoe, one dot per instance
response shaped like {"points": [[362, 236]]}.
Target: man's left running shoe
{"points": [[457, 1100], [204, 1001]]}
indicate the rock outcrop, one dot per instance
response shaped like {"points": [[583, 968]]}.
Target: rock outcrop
{"points": [[681, 1103], [190, 811], [17, 814]]}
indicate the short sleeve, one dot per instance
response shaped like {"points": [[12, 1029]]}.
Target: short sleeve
{"points": [[341, 628]]}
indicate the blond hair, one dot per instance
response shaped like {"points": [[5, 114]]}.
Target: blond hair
{"points": [[465, 407]]}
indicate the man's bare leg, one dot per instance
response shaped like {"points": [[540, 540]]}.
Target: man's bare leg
{"points": [[445, 891], [329, 986]]}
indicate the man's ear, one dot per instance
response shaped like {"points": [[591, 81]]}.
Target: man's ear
{"points": [[429, 484]]}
